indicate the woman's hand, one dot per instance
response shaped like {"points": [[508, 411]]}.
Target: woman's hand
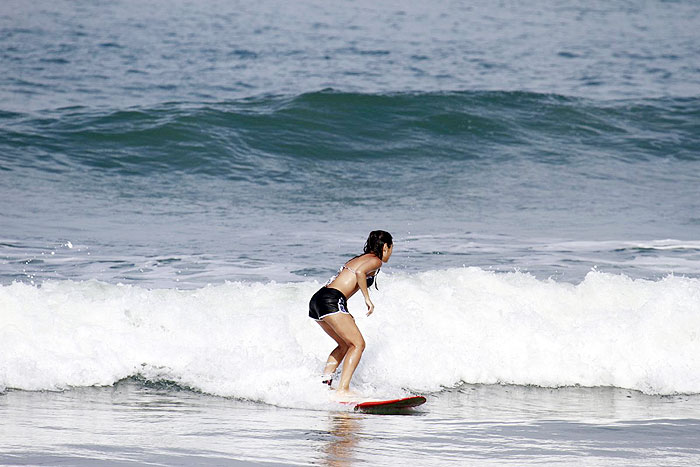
{"points": [[370, 306]]}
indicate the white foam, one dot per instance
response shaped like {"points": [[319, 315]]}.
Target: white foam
{"points": [[429, 330]]}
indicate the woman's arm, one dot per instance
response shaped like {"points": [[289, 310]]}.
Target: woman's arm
{"points": [[361, 275]]}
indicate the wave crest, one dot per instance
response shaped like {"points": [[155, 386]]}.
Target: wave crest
{"points": [[431, 330], [274, 136]]}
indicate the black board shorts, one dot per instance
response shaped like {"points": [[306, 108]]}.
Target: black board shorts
{"points": [[327, 301]]}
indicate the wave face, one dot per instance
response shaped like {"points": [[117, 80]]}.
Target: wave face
{"points": [[278, 138], [430, 330]]}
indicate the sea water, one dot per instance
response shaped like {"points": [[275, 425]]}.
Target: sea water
{"points": [[178, 178]]}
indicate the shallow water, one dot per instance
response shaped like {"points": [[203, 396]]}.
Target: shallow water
{"points": [[132, 423]]}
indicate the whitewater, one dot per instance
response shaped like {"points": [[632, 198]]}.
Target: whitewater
{"points": [[431, 330]]}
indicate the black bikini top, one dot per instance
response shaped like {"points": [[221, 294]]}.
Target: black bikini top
{"points": [[370, 274]]}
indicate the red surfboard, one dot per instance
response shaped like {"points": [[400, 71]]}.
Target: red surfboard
{"points": [[403, 404]]}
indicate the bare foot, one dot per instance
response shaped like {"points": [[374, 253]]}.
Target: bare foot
{"points": [[346, 395]]}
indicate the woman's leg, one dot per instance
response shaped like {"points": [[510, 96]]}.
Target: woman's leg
{"points": [[337, 354], [343, 325]]}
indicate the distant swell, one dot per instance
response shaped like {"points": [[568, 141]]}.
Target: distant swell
{"points": [[269, 136]]}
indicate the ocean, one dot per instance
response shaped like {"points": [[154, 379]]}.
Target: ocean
{"points": [[177, 178]]}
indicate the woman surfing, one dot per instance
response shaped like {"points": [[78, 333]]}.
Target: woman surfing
{"points": [[329, 307]]}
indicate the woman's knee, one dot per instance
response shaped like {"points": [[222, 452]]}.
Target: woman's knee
{"points": [[359, 343]]}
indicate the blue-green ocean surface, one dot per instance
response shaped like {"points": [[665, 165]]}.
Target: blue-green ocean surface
{"points": [[480, 178], [177, 178]]}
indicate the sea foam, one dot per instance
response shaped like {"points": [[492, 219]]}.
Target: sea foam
{"points": [[430, 330]]}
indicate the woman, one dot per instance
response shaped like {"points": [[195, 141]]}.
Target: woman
{"points": [[329, 307]]}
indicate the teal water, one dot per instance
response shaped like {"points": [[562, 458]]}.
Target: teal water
{"points": [[509, 173]]}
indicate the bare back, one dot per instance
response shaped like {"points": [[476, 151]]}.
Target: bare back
{"points": [[346, 279]]}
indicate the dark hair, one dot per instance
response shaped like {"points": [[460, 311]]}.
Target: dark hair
{"points": [[376, 241]]}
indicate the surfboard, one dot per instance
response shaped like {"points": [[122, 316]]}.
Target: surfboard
{"points": [[401, 405]]}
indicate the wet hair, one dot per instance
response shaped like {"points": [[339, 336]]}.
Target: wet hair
{"points": [[376, 241]]}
